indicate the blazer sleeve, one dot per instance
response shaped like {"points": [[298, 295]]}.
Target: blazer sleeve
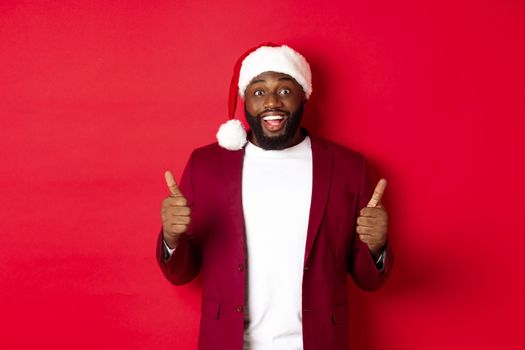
{"points": [[361, 264], [185, 263]]}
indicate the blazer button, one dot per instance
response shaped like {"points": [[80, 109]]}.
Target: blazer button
{"points": [[239, 308], [306, 268], [240, 267]]}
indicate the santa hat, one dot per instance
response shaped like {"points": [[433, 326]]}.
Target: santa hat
{"points": [[266, 57]]}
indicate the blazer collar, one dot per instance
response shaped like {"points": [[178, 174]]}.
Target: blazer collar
{"points": [[233, 185], [322, 174]]}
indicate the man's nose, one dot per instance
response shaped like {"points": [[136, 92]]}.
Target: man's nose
{"points": [[272, 100]]}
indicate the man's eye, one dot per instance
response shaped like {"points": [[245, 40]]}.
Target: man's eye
{"points": [[285, 91], [258, 93]]}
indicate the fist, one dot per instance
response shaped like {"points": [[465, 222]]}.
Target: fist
{"points": [[176, 215], [372, 224]]}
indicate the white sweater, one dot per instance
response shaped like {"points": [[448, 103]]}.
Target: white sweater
{"points": [[276, 195]]}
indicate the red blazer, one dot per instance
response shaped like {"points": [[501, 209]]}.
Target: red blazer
{"points": [[215, 245]]}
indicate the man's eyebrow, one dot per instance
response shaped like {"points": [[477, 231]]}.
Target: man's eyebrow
{"points": [[285, 78]]}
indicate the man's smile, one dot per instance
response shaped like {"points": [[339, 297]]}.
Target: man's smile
{"points": [[273, 121]]}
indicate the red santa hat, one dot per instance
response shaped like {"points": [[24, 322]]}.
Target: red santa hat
{"points": [[267, 57]]}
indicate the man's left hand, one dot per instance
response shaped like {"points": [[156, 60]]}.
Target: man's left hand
{"points": [[372, 224]]}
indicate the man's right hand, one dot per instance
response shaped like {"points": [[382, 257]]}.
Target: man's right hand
{"points": [[176, 215]]}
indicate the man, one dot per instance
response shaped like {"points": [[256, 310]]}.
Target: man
{"points": [[273, 224]]}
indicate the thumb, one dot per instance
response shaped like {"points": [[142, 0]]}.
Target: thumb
{"points": [[375, 201], [172, 185]]}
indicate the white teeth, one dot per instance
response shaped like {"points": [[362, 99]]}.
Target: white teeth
{"points": [[273, 117]]}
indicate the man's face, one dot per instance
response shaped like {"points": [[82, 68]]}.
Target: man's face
{"points": [[273, 103]]}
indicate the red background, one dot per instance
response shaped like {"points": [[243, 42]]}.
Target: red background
{"points": [[98, 98]]}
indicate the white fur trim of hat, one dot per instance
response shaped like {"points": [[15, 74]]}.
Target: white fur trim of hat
{"points": [[281, 59]]}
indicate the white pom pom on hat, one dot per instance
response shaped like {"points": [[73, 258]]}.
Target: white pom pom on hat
{"points": [[231, 135], [266, 57]]}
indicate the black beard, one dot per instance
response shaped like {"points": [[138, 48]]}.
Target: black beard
{"points": [[275, 142]]}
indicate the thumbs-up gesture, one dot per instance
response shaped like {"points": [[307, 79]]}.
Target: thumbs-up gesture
{"points": [[175, 212], [372, 224]]}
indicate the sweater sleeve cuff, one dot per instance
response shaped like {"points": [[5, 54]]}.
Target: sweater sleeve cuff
{"points": [[167, 252], [380, 262]]}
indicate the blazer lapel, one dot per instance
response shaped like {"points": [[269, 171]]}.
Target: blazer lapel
{"points": [[321, 179], [232, 181]]}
